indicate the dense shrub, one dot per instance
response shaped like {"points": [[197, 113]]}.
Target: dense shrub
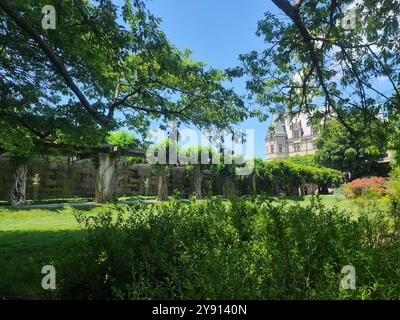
{"points": [[237, 249], [395, 183], [370, 187]]}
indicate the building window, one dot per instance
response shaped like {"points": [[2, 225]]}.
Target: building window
{"points": [[280, 148], [296, 134], [272, 149], [297, 148]]}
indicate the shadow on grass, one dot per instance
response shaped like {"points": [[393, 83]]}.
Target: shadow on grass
{"points": [[293, 198], [22, 256], [22, 209], [68, 208]]}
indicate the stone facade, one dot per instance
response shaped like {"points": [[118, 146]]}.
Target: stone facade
{"points": [[290, 136]]}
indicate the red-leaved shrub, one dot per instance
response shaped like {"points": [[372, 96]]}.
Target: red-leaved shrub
{"points": [[375, 185]]}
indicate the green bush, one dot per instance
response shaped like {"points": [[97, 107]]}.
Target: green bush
{"points": [[394, 183], [236, 249]]}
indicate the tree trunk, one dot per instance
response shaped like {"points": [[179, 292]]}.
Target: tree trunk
{"points": [[107, 178], [18, 191], [253, 184], [301, 188], [228, 187], [162, 190], [198, 182]]}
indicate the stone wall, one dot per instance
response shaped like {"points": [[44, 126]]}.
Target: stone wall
{"points": [[57, 179], [62, 180]]}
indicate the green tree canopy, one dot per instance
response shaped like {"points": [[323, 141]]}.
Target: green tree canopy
{"points": [[122, 138], [103, 67], [338, 149], [286, 175], [312, 63], [307, 160]]}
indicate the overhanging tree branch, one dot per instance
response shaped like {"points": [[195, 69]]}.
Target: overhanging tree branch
{"points": [[293, 13], [55, 60]]}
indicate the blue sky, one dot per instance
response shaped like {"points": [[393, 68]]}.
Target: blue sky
{"points": [[218, 31]]}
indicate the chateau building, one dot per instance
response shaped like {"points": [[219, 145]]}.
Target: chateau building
{"points": [[290, 136]]}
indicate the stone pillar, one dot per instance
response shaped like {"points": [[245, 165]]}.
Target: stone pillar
{"points": [[107, 177]]}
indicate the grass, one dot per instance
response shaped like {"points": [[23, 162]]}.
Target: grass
{"points": [[76, 200], [24, 253], [32, 238], [49, 201], [329, 201], [133, 198]]}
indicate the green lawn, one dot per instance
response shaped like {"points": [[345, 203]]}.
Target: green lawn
{"points": [[76, 200], [32, 238], [330, 201]]}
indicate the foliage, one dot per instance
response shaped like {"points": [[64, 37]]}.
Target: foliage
{"points": [[19, 143], [366, 186], [338, 149], [306, 160], [243, 249], [394, 183], [393, 117], [134, 160], [65, 86], [312, 63], [122, 138], [179, 195], [252, 179], [43, 234], [286, 175], [164, 153], [202, 156]]}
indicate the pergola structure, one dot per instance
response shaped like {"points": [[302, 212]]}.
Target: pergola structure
{"points": [[107, 167]]}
